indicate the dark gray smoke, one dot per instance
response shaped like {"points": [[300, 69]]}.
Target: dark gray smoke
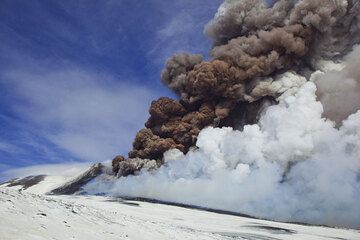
{"points": [[334, 22], [339, 91]]}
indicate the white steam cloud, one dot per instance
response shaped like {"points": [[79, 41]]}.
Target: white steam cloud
{"points": [[294, 165]]}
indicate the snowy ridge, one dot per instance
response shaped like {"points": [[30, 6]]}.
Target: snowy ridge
{"points": [[57, 184]]}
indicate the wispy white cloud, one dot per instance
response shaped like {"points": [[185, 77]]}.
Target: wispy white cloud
{"points": [[183, 30], [183, 22], [61, 78], [61, 169], [91, 115], [9, 147]]}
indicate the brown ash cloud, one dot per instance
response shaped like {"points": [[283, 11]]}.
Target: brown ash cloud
{"points": [[252, 43]]}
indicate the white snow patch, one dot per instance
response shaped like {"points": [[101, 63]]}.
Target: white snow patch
{"points": [[37, 217]]}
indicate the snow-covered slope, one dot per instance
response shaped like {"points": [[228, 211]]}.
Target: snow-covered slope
{"points": [[27, 213], [31, 216]]}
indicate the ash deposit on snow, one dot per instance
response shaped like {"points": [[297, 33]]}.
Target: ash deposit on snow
{"points": [[269, 126]]}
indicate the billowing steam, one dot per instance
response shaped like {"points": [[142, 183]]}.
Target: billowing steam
{"points": [[268, 127], [292, 166]]}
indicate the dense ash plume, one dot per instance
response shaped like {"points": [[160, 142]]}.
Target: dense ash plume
{"points": [[334, 22], [256, 48]]}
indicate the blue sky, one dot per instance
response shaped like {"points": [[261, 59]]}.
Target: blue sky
{"points": [[77, 77]]}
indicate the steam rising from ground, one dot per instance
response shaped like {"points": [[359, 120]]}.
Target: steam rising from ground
{"points": [[302, 169], [300, 162]]}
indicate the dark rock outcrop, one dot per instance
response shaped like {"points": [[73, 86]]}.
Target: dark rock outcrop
{"points": [[76, 185], [25, 182]]}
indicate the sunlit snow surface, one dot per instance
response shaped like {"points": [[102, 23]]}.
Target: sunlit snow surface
{"points": [[29, 216]]}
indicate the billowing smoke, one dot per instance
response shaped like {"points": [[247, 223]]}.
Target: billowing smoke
{"points": [[334, 24], [339, 91], [253, 45], [268, 126]]}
